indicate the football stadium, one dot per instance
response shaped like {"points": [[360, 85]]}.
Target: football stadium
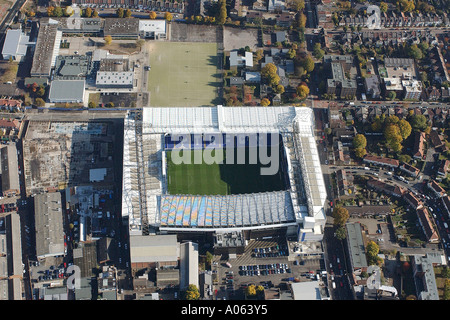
{"points": [[248, 170]]}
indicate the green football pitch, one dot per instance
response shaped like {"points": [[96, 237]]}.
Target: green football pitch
{"points": [[183, 74], [218, 179]]}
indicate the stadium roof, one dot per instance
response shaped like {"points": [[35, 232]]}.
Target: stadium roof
{"points": [[222, 119], [295, 124], [242, 210]]}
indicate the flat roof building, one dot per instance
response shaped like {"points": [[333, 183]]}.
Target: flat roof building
{"points": [[62, 91], [152, 251], [121, 28], [46, 51], [155, 29], [115, 79], [49, 225], [15, 45], [356, 248], [10, 170]]}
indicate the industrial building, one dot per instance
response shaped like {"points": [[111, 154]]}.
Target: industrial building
{"points": [[46, 51], [15, 45], [11, 269], [70, 91], [49, 225], [297, 211], [121, 28], [10, 170]]}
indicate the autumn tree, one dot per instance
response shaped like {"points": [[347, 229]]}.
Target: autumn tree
{"points": [[308, 63], [88, 12], [128, 13], [405, 128], [152, 15], [383, 7], [250, 290], [39, 102], [340, 216], [302, 91], [120, 13], [297, 5], [192, 292], [372, 250], [279, 89], [265, 102], [359, 141], [360, 152], [222, 18], [168, 16], [108, 40], [269, 73]]}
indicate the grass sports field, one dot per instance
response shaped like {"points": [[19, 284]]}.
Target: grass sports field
{"points": [[219, 179], [183, 74]]}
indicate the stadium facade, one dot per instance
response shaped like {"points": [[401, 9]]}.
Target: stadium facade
{"points": [[148, 208]]}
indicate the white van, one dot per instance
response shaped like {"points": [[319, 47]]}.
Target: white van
{"points": [[338, 261], [445, 225], [334, 284]]}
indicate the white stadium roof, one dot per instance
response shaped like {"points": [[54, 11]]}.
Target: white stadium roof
{"points": [[296, 124]]}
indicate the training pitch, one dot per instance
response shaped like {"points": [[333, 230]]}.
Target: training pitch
{"points": [[183, 74], [219, 179]]}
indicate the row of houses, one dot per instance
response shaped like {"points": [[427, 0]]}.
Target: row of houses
{"points": [[404, 19], [389, 19]]}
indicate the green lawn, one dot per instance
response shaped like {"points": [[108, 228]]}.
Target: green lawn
{"points": [[219, 179], [183, 74]]}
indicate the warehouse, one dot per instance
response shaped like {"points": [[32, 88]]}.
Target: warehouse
{"points": [[62, 91]]}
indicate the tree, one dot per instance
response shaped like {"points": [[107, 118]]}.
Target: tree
{"points": [[392, 95], [292, 53], [318, 52], [192, 292], [250, 290], [128, 13], [153, 15], [168, 16], [359, 141], [418, 122], [50, 11], [269, 73], [279, 89], [108, 40], [58, 12], [222, 18], [414, 52], [405, 128], [360, 152], [404, 158], [406, 5], [265, 102], [297, 5], [88, 12], [39, 102], [372, 250], [340, 233], [95, 14], [120, 13], [302, 91], [91, 104], [300, 20], [383, 7], [308, 64], [340, 216], [41, 92]]}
